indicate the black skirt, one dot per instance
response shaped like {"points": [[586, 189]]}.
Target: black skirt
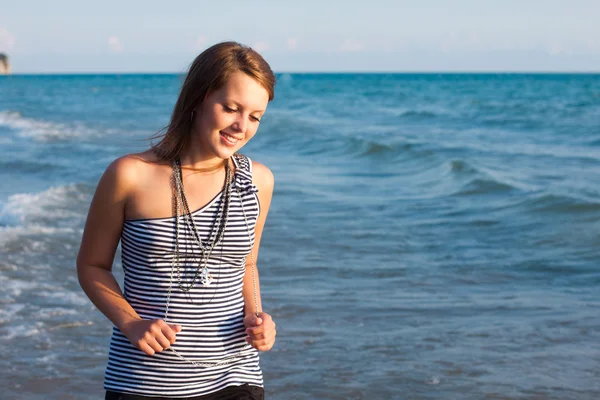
{"points": [[243, 392]]}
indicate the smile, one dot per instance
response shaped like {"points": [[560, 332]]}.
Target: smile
{"points": [[229, 139]]}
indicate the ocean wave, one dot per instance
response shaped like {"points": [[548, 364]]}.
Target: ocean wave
{"points": [[29, 166], [476, 180], [366, 148], [481, 185], [310, 135], [51, 205], [13, 331], [372, 148], [525, 122], [313, 138], [410, 113], [423, 114], [376, 149], [43, 131], [555, 203], [461, 167], [8, 312], [593, 142], [56, 211]]}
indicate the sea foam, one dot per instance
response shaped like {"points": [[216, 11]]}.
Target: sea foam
{"points": [[57, 210], [43, 131]]}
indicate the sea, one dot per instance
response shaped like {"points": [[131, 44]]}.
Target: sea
{"points": [[431, 236]]}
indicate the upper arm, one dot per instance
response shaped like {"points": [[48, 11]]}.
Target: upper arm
{"points": [[264, 181], [106, 215]]}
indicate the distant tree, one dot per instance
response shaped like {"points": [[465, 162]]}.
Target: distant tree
{"points": [[4, 64]]}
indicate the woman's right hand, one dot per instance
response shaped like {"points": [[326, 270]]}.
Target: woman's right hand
{"points": [[151, 336]]}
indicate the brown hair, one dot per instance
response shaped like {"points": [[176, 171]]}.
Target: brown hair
{"points": [[208, 73]]}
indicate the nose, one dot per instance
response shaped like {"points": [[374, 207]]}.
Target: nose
{"points": [[240, 123]]}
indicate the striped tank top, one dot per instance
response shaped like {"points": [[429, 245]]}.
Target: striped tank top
{"points": [[211, 317]]}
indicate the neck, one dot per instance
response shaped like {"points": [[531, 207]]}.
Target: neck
{"points": [[201, 163]]}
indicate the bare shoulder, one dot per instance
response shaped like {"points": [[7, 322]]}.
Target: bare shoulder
{"points": [[127, 171], [262, 176], [122, 173], [264, 180]]}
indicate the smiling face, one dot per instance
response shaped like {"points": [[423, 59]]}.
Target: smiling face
{"points": [[229, 117]]}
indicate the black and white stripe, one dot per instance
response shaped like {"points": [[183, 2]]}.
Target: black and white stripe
{"points": [[211, 317]]}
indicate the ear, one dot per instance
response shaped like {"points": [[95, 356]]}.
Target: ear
{"points": [[195, 112]]}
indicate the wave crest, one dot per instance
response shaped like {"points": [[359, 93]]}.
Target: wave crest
{"points": [[480, 186], [42, 130], [554, 203]]}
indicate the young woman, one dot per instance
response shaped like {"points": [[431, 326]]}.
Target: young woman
{"points": [[189, 213]]}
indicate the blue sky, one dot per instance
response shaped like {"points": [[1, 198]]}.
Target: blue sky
{"points": [[377, 35]]}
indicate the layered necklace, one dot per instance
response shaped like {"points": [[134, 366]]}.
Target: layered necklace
{"points": [[215, 236]]}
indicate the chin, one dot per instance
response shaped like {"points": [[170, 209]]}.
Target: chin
{"points": [[225, 152]]}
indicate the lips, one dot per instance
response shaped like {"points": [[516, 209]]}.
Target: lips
{"points": [[230, 139]]}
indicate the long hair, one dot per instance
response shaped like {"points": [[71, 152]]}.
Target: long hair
{"points": [[208, 73]]}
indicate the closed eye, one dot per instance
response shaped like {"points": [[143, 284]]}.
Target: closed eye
{"points": [[233, 110]]}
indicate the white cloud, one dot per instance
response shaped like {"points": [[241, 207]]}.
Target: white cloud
{"points": [[351, 46], [453, 42], [555, 50], [593, 47], [7, 41], [446, 47], [449, 43], [260, 46], [115, 44], [292, 43], [200, 43]]}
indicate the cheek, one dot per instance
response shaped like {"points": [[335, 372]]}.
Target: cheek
{"points": [[250, 133], [209, 122], [220, 120]]}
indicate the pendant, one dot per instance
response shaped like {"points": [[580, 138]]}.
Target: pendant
{"points": [[205, 277]]}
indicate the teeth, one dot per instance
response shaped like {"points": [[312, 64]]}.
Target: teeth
{"points": [[230, 138]]}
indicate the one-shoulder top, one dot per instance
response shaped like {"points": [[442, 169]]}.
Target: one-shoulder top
{"points": [[211, 317]]}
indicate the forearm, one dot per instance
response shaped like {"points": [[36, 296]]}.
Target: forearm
{"points": [[251, 306], [259, 325], [103, 290]]}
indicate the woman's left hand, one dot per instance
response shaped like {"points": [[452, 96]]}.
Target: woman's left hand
{"points": [[260, 330]]}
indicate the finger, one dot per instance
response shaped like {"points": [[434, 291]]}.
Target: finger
{"points": [[270, 334], [151, 341], [157, 331], [266, 347], [176, 328], [252, 320], [255, 331], [262, 338], [258, 336], [255, 343], [169, 333], [264, 316], [266, 327], [262, 345], [163, 341], [143, 346]]}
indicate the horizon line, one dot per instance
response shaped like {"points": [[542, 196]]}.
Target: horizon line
{"points": [[399, 72]]}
